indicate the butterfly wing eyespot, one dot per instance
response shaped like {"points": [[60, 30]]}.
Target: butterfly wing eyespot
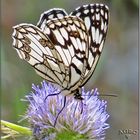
{"points": [[45, 43], [26, 48], [74, 34], [26, 40], [27, 56]]}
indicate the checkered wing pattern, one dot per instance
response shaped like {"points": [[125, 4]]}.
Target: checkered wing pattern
{"points": [[64, 49]]}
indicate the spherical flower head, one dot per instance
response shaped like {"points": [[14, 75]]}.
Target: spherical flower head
{"points": [[79, 120]]}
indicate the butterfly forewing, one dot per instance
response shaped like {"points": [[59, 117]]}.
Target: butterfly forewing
{"points": [[69, 35], [50, 14], [95, 17]]}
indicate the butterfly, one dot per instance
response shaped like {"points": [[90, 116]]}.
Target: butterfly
{"points": [[64, 48]]}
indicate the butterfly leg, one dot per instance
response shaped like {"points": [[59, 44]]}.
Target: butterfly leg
{"points": [[62, 106], [60, 111], [78, 106], [82, 106], [52, 95]]}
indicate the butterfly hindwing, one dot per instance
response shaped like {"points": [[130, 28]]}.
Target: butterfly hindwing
{"points": [[36, 48], [61, 62]]}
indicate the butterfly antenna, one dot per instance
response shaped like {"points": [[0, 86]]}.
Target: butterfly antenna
{"points": [[60, 111], [110, 95]]}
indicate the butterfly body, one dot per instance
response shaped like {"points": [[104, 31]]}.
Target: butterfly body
{"points": [[64, 49]]}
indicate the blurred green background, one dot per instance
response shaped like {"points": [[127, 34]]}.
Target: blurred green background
{"points": [[116, 73]]}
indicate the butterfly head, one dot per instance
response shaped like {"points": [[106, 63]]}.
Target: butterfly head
{"points": [[77, 95]]}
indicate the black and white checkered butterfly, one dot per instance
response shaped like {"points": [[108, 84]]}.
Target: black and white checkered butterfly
{"points": [[64, 49]]}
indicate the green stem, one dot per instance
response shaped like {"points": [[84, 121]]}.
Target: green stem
{"points": [[22, 130]]}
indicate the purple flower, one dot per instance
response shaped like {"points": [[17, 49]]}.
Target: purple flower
{"points": [[79, 120]]}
